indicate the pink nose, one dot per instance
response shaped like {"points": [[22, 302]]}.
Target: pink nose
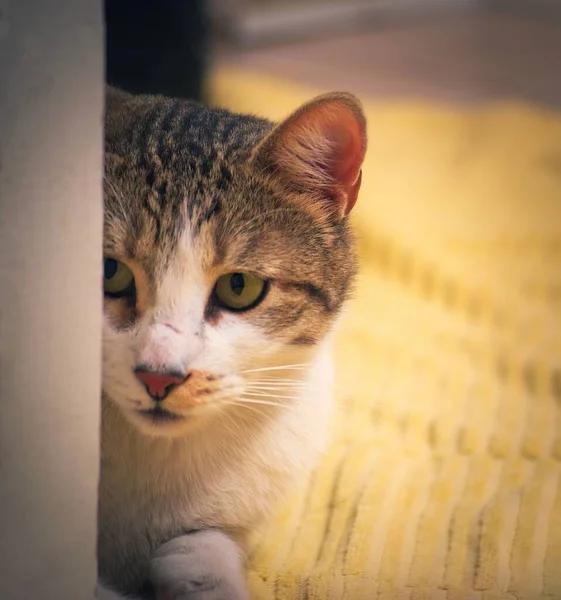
{"points": [[159, 384]]}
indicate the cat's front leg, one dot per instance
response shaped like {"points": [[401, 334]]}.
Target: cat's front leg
{"points": [[202, 565]]}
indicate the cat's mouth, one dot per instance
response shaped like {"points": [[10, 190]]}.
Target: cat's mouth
{"points": [[158, 415]]}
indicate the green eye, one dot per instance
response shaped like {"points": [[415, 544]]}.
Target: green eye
{"points": [[240, 291], [118, 279]]}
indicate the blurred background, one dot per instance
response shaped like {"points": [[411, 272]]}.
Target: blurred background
{"points": [[457, 50], [460, 50]]}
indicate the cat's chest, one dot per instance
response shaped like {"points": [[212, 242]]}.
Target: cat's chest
{"points": [[149, 498], [172, 488], [161, 487], [146, 500]]}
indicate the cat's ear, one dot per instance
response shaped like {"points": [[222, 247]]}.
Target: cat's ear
{"points": [[318, 152]]}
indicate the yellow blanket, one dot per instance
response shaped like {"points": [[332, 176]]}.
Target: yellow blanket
{"points": [[444, 476]]}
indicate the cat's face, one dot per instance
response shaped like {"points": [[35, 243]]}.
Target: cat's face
{"points": [[224, 270]]}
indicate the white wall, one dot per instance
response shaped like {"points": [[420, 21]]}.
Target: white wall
{"points": [[51, 105]]}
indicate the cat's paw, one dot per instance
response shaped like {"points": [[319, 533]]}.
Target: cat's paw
{"points": [[203, 565]]}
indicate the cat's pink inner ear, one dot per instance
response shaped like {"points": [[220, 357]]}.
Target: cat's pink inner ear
{"points": [[346, 130], [321, 148]]}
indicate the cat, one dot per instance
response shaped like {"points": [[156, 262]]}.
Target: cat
{"points": [[228, 257]]}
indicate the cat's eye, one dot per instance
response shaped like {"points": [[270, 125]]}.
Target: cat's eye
{"points": [[118, 279], [240, 291]]}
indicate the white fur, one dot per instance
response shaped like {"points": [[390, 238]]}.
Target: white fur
{"points": [[233, 462], [206, 564]]}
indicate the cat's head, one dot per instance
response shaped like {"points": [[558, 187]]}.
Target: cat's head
{"points": [[227, 252]]}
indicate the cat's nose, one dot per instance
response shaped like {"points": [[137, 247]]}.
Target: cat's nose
{"points": [[159, 383]]}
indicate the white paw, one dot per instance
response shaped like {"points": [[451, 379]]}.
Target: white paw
{"points": [[204, 565]]}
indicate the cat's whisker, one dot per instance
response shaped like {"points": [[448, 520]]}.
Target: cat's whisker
{"points": [[251, 408], [277, 386], [278, 368], [245, 400], [273, 390], [279, 379], [265, 395], [249, 405], [276, 396]]}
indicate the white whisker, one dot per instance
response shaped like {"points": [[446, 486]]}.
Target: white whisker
{"points": [[276, 386], [278, 379], [251, 408], [278, 368], [249, 405], [264, 402], [275, 391], [264, 395]]}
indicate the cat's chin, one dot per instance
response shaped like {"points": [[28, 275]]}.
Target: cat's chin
{"points": [[158, 422]]}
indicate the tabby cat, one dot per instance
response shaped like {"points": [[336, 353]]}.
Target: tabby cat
{"points": [[228, 256]]}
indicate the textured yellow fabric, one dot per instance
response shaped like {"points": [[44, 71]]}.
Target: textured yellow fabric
{"points": [[443, 478]]}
